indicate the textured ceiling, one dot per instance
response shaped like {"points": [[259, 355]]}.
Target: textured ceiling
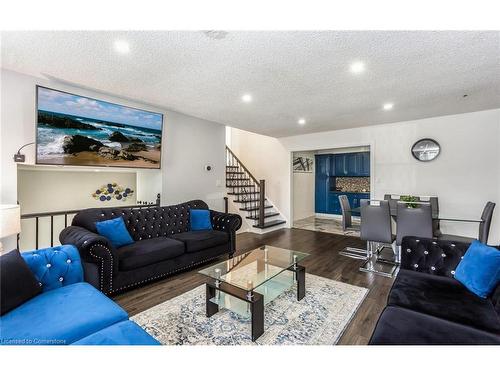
{"points": [[290, 74]]}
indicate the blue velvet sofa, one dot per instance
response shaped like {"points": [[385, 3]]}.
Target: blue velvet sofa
{"points": [[68, 311]]}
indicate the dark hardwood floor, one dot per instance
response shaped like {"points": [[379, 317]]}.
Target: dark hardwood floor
{"points": [[324, 261]]}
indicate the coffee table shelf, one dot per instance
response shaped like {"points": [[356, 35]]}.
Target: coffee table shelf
{"points": [[270, 290]]}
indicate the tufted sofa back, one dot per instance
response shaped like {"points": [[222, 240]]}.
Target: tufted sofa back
{"points": [[432, 256], [55, 267], [143, 223]]}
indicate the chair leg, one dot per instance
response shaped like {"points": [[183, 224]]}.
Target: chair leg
{"points": [[353, 252]]}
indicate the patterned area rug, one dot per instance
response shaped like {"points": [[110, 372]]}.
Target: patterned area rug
{"points": [[319, 318]]}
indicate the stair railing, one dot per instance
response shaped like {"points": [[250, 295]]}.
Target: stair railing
{"points": [[233, 161]]}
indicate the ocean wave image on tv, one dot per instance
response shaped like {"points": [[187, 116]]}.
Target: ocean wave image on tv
{"points": [[76, 130]]}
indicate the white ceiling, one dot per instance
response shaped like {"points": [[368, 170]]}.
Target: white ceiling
{"points": [[289, 74]]}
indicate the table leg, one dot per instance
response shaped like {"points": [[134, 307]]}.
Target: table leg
{"points": [[212, 308], [257, 309], [301, 282]]}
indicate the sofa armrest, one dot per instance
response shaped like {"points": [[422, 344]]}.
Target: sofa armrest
{"points": [[435, 257], [95, 249], [229, 223]]}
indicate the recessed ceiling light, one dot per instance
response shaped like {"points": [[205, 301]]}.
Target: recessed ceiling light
{"points": [[122, 46], [247, 98], [357, 67], [302, 121], [388, 106]]}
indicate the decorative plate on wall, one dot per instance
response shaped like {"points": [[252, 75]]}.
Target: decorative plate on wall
{"points": [[112, 191], [425, 149]]}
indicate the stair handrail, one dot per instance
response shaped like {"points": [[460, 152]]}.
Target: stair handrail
{"points": [[243, 167]]}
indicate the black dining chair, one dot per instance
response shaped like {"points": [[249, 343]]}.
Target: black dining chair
{"points": [[347, 224], [413, 221], [376, 230], [393, 200], [484, 227]]}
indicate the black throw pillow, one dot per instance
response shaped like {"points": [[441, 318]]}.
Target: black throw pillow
{"points": [[17, 283]]}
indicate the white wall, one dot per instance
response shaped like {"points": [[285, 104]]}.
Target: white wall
{"points": [[188, 144], [464, 176], [267, 159], [44, 190], [304, 190]]}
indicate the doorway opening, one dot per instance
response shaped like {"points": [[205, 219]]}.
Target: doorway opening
{"points": [[319, 178]]}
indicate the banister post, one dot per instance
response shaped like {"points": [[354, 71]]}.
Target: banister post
{"points": [[262, 199]]}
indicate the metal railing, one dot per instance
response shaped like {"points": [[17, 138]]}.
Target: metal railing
{"points": [[232, 161], [66, 213]]}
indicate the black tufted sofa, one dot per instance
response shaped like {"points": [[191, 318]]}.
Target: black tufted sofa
{"points": [[427, 305], [163, 244]]}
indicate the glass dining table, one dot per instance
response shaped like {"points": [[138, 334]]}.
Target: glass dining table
{"points": [[435, 216]]}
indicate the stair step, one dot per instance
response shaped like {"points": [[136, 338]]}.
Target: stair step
{"points": [[232, 166], [255, 208], [248, 193], [237, 179], [268, 214], [229, 172], [270, 224], [240, 186], [247, 201]]}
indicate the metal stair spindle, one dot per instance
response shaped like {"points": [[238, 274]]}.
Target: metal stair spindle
{"points": [[248, 192], [262, 199]]}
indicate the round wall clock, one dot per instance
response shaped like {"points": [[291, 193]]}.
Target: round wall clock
{"points": [[425, 149]]}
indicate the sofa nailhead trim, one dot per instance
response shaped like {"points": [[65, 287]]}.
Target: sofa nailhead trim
{"points": [[164, 274], [101, 272]]}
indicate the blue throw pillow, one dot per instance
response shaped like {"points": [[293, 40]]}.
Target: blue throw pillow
{"points": [[115, 231], [200, 220], [479, 270]]}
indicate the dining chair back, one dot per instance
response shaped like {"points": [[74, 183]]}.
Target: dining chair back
{"points": [[484, 226], [393, 200], [376, 221], [413, 221], [346, 212], [434, 202]]}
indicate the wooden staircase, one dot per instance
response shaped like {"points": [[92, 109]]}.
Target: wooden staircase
{"points": [[249, 194]]}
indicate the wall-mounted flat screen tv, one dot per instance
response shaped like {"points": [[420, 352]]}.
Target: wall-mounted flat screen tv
{"points": [[76, 130]]}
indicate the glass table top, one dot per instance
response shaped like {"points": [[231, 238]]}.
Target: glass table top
{"points": [[394, 213], [254, 268]]}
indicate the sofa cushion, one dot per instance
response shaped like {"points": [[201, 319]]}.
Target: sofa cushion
{"points": [[17, 283], [201, 239], [399, 326], [115, 231], [479, 270], [200, 219], [150, 251], [443, 297], [126, 332], [60, 316]]}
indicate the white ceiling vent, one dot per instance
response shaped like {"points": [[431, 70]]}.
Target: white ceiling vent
{"points": [[215, 34]]}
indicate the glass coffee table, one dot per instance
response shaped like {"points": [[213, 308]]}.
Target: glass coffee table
{"points": [[245, 283]]}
